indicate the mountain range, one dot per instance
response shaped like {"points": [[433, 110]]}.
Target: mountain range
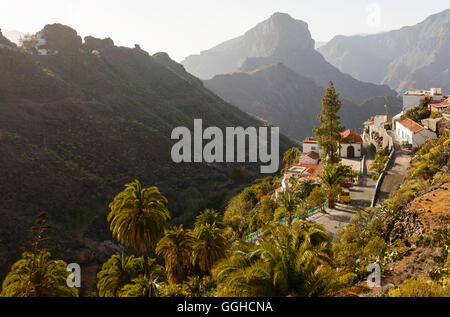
{"points": [[274, 72], [280, 39], [412, 57]]}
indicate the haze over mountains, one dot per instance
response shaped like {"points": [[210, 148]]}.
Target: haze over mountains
{"points": [[412, 57], [289, 100], [77, 126], [274, 72], [280, 39]]}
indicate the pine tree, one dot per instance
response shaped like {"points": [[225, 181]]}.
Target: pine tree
{"points": [[328, 134]]}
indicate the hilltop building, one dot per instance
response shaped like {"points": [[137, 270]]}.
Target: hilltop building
{"points": [[414, 98], [41, 44]]}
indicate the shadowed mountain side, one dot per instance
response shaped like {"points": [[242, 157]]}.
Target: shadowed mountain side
{"points": [[77, 126], [280, 95]]}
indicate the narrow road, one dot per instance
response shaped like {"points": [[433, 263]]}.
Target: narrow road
{"points": [[396, 171], [362, 194]]}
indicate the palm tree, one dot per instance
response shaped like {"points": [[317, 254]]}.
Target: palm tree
{"points": [[332, 177], [141, 287], [176, 248], [291, 156], [138, 218], [118, 271], [210, 216], [36, 275], [288, 262], [290, 202], [209, 247]]}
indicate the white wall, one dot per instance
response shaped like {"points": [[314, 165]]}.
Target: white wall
{"points": [[357, 147], [403, 133], [307, 147], [411, 102]]}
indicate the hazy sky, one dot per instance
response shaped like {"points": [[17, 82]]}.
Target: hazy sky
{"points": [[183, 27]]}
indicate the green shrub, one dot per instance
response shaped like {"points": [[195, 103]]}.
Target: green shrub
{"points": [[421, 287], [280, 213]]}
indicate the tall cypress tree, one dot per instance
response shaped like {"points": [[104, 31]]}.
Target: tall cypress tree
{"points": [[328, 134]]}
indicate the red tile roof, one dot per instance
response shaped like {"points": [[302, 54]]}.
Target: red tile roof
{"points": [[444, 103], [310, 141], [351, 137], [313, 155], [411, 125]]}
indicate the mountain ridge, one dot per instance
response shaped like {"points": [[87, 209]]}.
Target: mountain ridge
{"points": [[280, 39], [289, 100], [411, 57]]}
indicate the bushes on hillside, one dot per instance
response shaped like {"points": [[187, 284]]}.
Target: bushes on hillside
{"points": [[418, 113], [378, 164], [420, 287]]}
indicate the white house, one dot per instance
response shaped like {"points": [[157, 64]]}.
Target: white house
{"points": [[381, 121], [410, 132], [311, 145], [351, 146]]}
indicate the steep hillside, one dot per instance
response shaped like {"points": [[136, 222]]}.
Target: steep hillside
{"points": [[77, 126], [408, 235], [280, 39], [412, 57], [290, 101]]}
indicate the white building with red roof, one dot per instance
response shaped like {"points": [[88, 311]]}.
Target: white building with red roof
{"points": [[351, 146], [410, 132], [311, 145]]}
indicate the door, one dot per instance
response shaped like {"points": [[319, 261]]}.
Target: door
{"points": [[351, 152]]}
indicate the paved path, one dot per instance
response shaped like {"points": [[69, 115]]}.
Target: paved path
{"points": [[334, 219], [396, 172], [362, 194]]}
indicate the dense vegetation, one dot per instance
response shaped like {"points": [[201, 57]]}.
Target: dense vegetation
{"points": [[78, 125], [378, 165]]}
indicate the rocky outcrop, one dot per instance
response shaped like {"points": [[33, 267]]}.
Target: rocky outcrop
{"points": [[92, 43], [403, 226]]}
